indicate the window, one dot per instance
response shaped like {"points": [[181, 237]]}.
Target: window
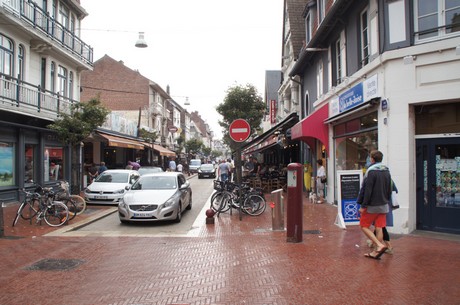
{"points": [[436, 18], [63, 15], [7, 161], [338, 62], [364, 30], [30, 164], [308, 29], [43, 74], [53, 163], [71, 85], [321, 10], [53, 76], [6, 55], [21, 62], [62, 76], [319, 79]]}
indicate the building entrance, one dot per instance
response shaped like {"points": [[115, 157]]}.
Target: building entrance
{"points": [[438, 184]]}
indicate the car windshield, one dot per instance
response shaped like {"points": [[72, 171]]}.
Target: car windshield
{"points": [[207, 166], [195, 162], [112, 177], [155, 183]]}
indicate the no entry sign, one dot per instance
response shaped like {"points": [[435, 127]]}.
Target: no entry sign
{"points": [[239, 130]]}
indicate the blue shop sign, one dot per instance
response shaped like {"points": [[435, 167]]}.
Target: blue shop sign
{"points": [[351, 98]]}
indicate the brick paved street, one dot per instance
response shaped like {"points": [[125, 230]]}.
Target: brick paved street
{"points": [[230, 262]]}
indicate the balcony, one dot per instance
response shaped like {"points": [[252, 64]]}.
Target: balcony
{"points": [[47, 28], [21, 97]]}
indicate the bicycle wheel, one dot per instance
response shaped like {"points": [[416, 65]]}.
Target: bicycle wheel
{"points": [[19, 212], [56, 214], [79, 202], [254, 205], [30, 209], [219, 202], [71, 206]]}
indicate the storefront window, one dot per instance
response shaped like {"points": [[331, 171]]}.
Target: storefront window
{"points": [[29, 170], [448, 176], [354, 140], [53, 163], [7, 153]]}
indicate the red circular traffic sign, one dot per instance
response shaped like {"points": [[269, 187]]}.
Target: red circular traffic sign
{"points": [[239, 130]]}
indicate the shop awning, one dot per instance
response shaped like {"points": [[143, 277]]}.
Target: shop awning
{"points": [[115, 141], [163, 151], [269, 138], [313, 127]]}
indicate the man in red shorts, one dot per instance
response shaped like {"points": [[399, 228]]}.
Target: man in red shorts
{"points": [[374, 197]]}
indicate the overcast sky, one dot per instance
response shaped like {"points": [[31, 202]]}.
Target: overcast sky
{"points": [[199, 48]]}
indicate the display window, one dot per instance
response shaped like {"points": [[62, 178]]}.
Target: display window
{"points": [[7, 161], [354, 140], [30, 164], [53, 163]]}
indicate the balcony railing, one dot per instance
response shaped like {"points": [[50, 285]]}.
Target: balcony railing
{"points": [[29, 12], [20, 96]]}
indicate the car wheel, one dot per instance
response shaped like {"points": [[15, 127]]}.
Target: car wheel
{"points": [[124, 221], [179, 214], [199, 177]]}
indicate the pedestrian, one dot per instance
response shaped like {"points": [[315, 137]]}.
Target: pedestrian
{"points": [[102, 168], [374, 203], [179, 167], [172, 165], [135, 165], [92, 171], [320, 176], [230, 169], [223, 170]]}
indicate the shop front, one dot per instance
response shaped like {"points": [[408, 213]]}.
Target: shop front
{"points": [[438, 167]]}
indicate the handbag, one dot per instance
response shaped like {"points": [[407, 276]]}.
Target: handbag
{"points": [[323, 180], [394, 200]]}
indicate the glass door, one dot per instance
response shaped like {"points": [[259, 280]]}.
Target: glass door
{"points": [[438, 185]]}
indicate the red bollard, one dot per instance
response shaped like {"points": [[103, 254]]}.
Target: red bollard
{"points": [[294, 208]]}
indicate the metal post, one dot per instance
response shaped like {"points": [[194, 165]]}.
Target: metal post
{"points": [[294, 203]]}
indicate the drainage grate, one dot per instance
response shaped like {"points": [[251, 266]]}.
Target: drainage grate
{"points": [[51, 264], [312, 232]]}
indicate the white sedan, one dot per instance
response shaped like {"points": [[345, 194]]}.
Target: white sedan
{"points": [[110, 186], [155, 197]]}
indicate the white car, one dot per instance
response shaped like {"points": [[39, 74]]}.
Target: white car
{"points": [[110, 186], [155, 197]]}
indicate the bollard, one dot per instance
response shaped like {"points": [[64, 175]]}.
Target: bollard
{"points": [[2, 224], [277, 210], [294, 227], [210, 216]]}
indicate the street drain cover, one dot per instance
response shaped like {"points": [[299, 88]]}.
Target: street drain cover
{"points": [[51, 264], [312, 232]]}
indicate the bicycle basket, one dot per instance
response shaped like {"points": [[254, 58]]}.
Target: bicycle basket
{"points": [[218, 185]]}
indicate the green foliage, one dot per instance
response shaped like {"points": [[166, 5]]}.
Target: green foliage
{"points": [[148, 136], [84, 118], [206, 151], [241, 102], [216, 153], [193, 145]]}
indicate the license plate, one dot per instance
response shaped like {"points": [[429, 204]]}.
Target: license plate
{"points": [[100, 197], [141, 215]]}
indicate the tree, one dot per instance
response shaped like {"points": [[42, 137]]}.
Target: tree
{"points": [[206, 151], [193, 145], [73, 128], [148, 136], [241, 102]]}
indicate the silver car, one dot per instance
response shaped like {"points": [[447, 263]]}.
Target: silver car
{"points": [[110, 186], [155, 197]]}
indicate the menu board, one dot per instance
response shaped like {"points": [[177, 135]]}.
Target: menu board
{"points": [[349, 184]]}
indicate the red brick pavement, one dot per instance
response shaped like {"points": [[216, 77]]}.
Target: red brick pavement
{"points": [[232, 262]]}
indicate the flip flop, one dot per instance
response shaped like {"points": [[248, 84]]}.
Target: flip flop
{"points": [[378, 255], [369, 255]]}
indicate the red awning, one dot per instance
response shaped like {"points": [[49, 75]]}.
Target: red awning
{"points": [[313, 127]]}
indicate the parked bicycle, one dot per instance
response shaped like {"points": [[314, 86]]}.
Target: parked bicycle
{"points": [[245, 199], [76, 204], [41, 204]]}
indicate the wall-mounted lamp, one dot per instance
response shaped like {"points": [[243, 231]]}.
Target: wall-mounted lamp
{"points": [[409, 59], [141, 43]]}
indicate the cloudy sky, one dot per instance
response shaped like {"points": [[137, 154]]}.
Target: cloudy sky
{"points": [[199, 48]]}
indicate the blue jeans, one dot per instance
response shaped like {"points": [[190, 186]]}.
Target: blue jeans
{"points": [[223, 177]]}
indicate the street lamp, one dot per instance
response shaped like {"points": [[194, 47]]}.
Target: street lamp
{"points": [[141, 43]]}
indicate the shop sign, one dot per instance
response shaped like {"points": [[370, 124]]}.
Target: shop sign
{"points": [[355, 96], [272, 111]]}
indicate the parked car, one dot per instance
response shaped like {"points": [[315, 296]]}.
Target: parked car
{"points": [[156, 197], [206, 171], [194, 165], [149, 170], [110, 186]]}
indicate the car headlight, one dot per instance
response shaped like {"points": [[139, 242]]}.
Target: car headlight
{"points": [[169, 202], [87, 190], [119, 191]]}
